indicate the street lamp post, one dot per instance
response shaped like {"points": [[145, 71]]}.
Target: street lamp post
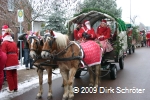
{"points": [[130, 11]]}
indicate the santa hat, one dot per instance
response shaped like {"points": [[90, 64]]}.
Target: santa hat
{"points": [[104, 21], [4, 27]]}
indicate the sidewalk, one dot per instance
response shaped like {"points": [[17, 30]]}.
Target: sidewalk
{"points": [[24, 76]]}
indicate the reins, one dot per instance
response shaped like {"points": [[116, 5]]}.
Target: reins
{"points": [[56, 58]]}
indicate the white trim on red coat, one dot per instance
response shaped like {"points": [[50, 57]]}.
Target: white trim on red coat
{"points": [[8, 38], [11, 67]]}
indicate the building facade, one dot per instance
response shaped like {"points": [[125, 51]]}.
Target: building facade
{"points": [[8, 15]]}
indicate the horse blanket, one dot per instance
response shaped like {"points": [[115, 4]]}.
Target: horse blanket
{"points": [[92, 53]]}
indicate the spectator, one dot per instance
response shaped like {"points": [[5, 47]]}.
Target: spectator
{"points": [[18, 45], [10, 48], [103, 34], [3, 59], [27, 58], [148, 39], [38, 34], [87, 32]]}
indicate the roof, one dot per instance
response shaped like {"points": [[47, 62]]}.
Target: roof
{"points": [[92, 16]]}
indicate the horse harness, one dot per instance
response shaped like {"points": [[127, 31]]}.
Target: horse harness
{"points": [[45, 63], [57, 58]]}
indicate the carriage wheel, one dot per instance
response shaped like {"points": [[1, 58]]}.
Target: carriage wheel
{"points": [[121, 62], [113, 71], [77, 75]]}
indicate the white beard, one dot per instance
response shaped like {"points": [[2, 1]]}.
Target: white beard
{"points": [[88, 27]]}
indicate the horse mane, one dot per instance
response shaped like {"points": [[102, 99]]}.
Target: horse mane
{"points": [[61, 40]]}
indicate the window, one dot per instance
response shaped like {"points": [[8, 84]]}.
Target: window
{"points": [[10, 5]]}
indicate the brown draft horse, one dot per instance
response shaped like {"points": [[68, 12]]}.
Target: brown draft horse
{"points": [[68, 55], [35, 46]]}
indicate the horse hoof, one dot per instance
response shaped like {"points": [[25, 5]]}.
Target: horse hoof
{"points": [[96, 86], [71, 98], [49, 97], [38, 97], [64, 98]]}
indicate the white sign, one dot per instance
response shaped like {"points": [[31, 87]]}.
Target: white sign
{"points": [[20, 15]]}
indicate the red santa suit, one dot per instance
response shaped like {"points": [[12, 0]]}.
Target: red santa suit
{"points": [[103, 34], [148, 39], [10, 48], [3, 59], [87, 29]]}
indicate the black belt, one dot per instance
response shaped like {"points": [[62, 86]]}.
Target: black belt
{"points": [[11, 52]]}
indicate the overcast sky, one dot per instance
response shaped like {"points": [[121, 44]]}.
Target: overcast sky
{"points": [[139, 8]]}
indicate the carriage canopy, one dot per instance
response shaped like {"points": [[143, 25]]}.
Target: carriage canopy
{"points": [[96, 16]]}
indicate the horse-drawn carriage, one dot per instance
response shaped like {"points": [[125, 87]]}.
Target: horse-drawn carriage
{"points": [[136, 38], [118, 39], [58, 49]]}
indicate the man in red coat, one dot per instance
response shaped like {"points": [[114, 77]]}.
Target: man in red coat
{"points": [[103, 34], [87, 32], [148, 39], [10, 48], [3, 59]]}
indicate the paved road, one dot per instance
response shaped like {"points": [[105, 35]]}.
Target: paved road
{"points": [[135, 76]]}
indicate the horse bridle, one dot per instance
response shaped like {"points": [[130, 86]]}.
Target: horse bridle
{"points": [[63, 51], [50, 42], [37, 43]]}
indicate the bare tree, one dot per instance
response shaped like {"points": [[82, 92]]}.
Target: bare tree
{"points": [[33, 9]]}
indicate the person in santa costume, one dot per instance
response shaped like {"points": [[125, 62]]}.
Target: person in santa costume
{"points": [[10, 48], [87, 32], [103, 34], [3, 58], [148, 39], [4, 27]]}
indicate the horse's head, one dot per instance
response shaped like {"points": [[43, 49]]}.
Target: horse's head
{"points": [[35, 46], [49, 45], [53, 43]]}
